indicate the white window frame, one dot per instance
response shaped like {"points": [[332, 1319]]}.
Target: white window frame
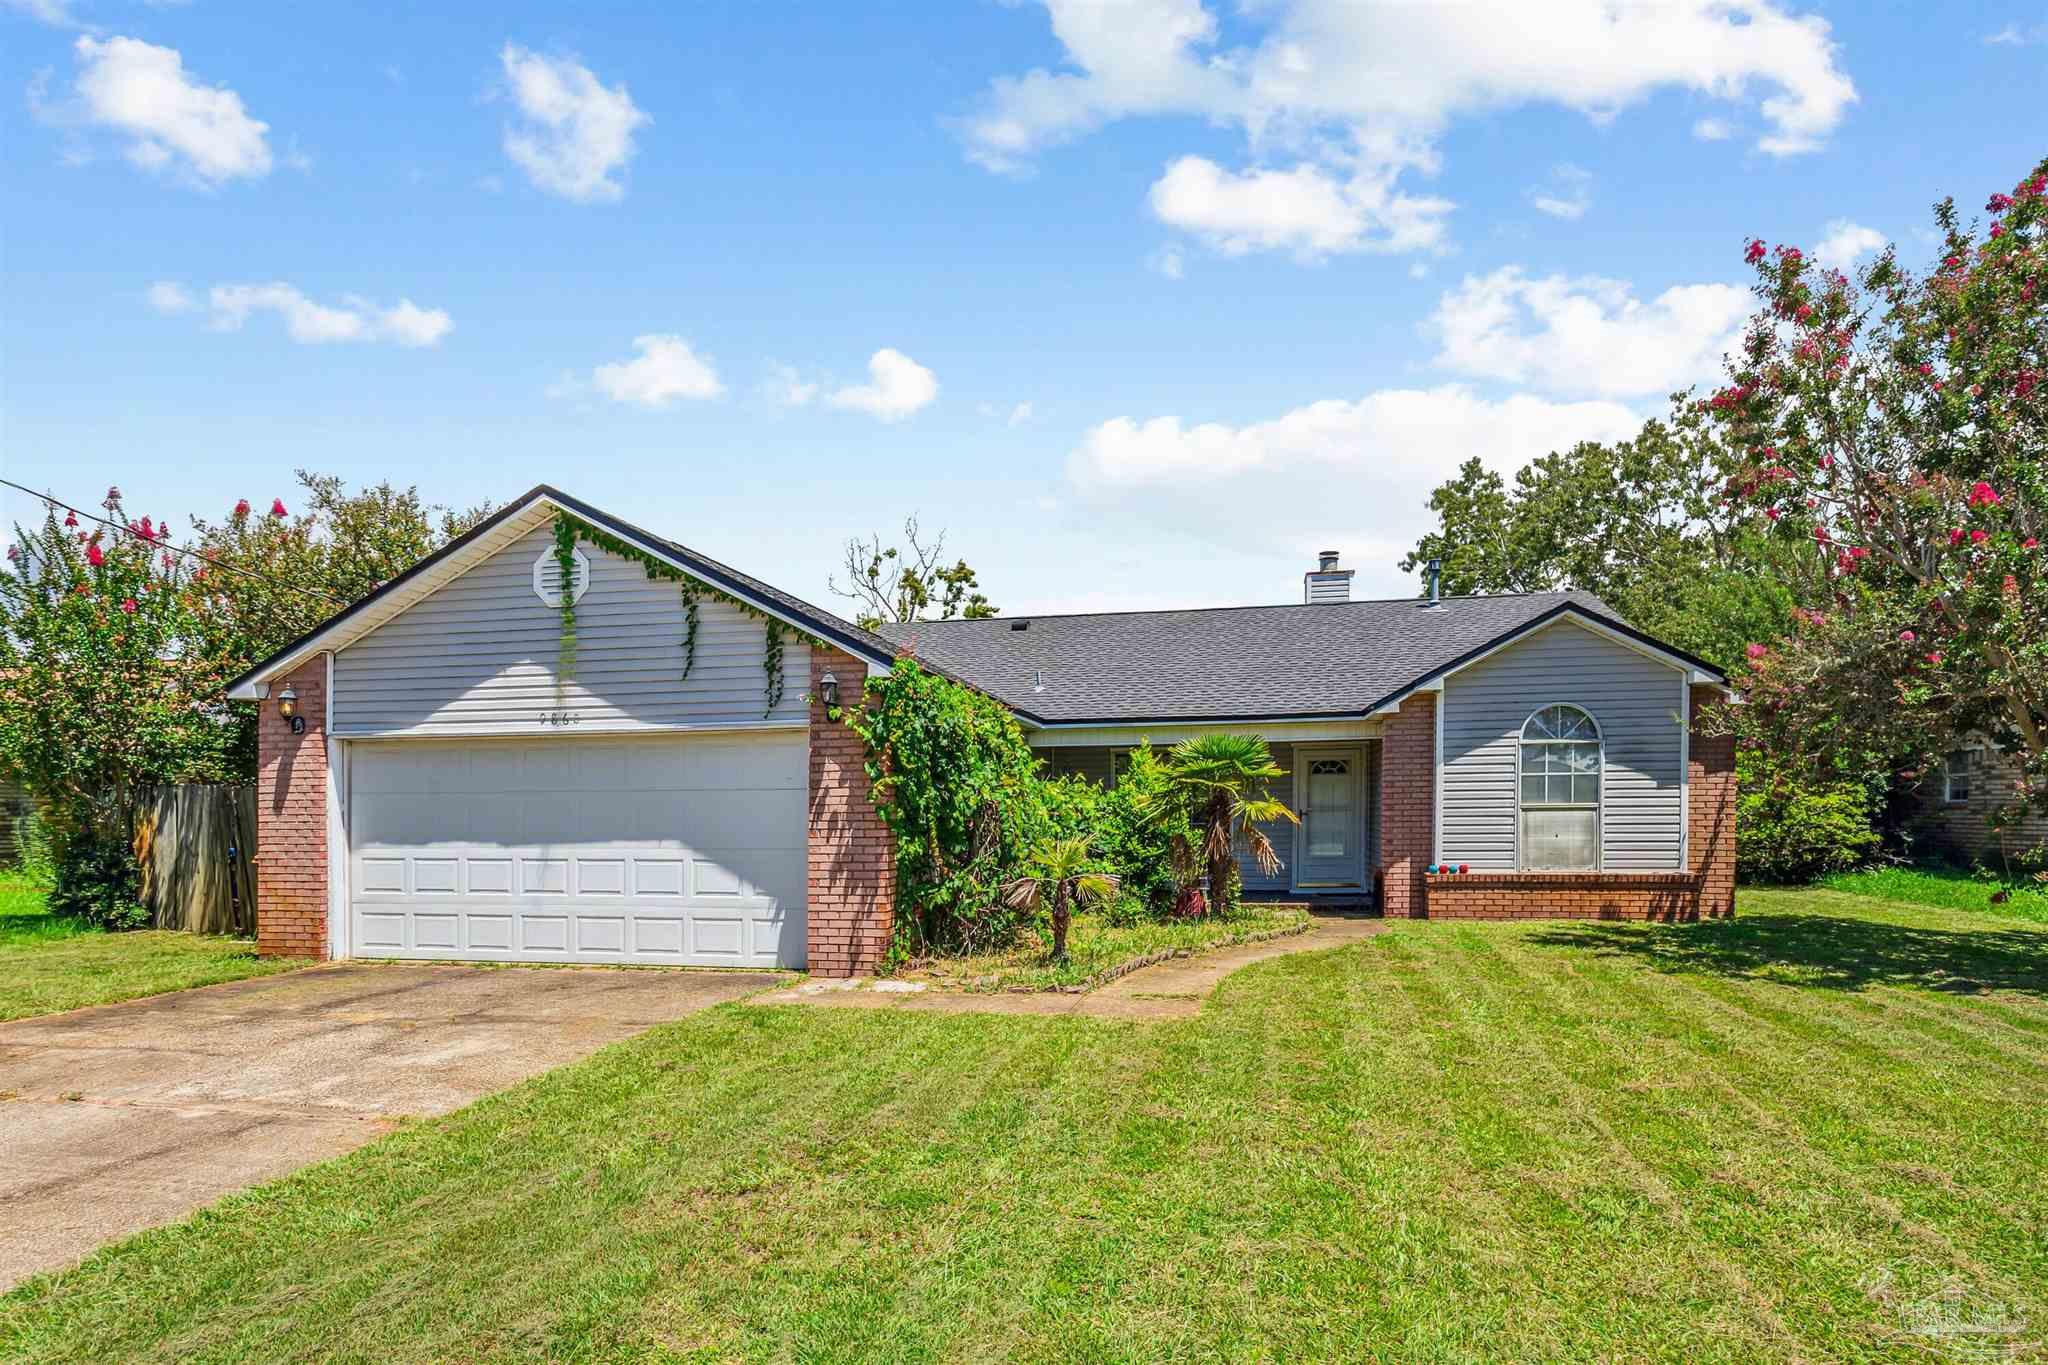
{"points": [[1599, 807], [1972, 756]]}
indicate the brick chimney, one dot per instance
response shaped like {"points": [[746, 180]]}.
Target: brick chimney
{"points": [[1326, 582]]}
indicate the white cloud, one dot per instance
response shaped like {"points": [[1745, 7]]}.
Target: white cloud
{"points": [[168, 296], [1368, 464], [1568, 193], [172, 121], [897, 387], [577, 131], [1713, 130], [1306, 210], [1586, 335], [1019, 415], [2014, 35], [666, 369], [1844, 242], [1169, 261], [788, 388], [353, 319], [1360, 91], [57, 12]]}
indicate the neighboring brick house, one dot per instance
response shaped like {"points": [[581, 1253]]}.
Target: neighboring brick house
{"points": [[443, 790], [1955, 804]]}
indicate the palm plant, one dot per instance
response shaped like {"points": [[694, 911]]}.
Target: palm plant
{"points": [[1226, 782], [1057, 872]]}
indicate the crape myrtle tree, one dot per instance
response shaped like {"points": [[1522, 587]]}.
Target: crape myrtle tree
{"points": [[1891, 425], [116, 643]]}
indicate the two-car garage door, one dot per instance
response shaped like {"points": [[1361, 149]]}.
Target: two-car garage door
{"points": [[677, 850]]}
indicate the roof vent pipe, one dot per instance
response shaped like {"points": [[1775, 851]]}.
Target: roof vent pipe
{"points": [[1436, 582]]}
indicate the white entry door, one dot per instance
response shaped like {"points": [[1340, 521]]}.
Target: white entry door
{"points": [[1329, 786], [679, 850]]}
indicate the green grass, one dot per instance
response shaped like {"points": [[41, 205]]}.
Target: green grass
{"points": [[1792, 1136], [2025, 899], [49, 962], [1094, 946]]}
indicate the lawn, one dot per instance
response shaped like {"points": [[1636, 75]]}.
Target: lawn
{"points": [[2025, 898], [1096, 946], [50, 963], [1810, 1133]]}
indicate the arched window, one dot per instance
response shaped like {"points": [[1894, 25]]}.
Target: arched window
{"points": [[1561, 765]]}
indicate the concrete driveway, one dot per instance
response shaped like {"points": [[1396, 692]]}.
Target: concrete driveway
{"points": [[121, 1117]]}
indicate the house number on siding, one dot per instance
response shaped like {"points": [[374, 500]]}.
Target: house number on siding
{"points": [[560, 718]]}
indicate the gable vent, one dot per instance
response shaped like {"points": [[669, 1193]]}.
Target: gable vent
{"points": [[547, 578]]}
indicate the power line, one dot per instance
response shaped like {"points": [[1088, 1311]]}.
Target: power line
{"points": [[168, 548]]}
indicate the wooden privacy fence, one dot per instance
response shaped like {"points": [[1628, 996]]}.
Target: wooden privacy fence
{"points": [[196, 845]]}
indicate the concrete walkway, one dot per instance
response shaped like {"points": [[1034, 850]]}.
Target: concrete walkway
{"points": [[121, 1117], [1173, 989]]}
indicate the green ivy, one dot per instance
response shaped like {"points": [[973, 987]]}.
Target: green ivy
{"points": [[569, 529], [565, 560], [690, 626]]}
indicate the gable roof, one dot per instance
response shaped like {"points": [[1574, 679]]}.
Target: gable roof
{"points": [[1319, 660], [534, 508]]}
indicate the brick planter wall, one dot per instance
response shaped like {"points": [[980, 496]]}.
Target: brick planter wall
{"points": [[852, 891], [291, 821], [1407, 812], [1563, 895], [1407, 806]]}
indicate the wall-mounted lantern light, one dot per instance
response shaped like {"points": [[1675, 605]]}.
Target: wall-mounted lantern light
{"points": [[828, 691], [288, 707]]}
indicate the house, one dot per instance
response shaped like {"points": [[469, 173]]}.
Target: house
{"points": [[1955, 805], [448, 771]]}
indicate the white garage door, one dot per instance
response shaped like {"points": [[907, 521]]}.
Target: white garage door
{"points": [[685, 851]]}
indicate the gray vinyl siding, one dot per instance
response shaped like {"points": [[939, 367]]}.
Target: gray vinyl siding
{"points": [[1635, 700], [480, 656]]}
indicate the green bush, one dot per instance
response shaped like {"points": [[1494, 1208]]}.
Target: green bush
{"points": [[98, 882], [1791, 829], [1136, 825]]}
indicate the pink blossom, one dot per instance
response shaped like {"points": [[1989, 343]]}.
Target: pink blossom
{"points": [[1907, 637], [2029, 543], [1998, 203], [71, 519], [1955, 535], [277, 507], [1926, 369], [1756, 651], [1983, 495], [128, 605], [1820, 534], [1935, 657], [1979, 537], [1803, 312], [241, 509], [94, 555], [1772, 513], [1755, 252]]}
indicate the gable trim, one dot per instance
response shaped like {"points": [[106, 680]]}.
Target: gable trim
{"points": [[465, 552]]}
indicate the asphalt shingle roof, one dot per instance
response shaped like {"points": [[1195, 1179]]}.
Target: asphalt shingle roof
{"points": [[1328, 658]]}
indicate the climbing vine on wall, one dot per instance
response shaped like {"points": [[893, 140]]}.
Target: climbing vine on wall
{"points": [[565, 561], [570, 529]]}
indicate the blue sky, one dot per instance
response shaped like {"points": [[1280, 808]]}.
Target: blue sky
{"points": [[1143, 301]]}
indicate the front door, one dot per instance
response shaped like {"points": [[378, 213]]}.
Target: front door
{"points": [[1329, 787]]}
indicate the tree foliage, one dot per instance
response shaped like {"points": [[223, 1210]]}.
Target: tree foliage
{"points": [[1894, 428], [1224, 783], [909, 583]]}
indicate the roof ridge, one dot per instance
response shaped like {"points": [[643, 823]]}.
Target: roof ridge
{"points": [[1241, 606]]}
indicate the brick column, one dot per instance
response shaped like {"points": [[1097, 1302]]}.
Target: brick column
{"points": [[291, 820], [1408, 806], [1710, 784], [852, 885]]}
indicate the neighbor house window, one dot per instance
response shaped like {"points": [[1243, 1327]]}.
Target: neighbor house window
{"points": [[1956, 771], [1560, 790]]}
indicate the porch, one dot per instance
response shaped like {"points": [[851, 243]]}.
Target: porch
{"points": [[1328, 856]]}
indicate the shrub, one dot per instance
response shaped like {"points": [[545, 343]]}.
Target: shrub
{"points": [[1138, 824], [953, 779], [1792, 829], [98, 882]]}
